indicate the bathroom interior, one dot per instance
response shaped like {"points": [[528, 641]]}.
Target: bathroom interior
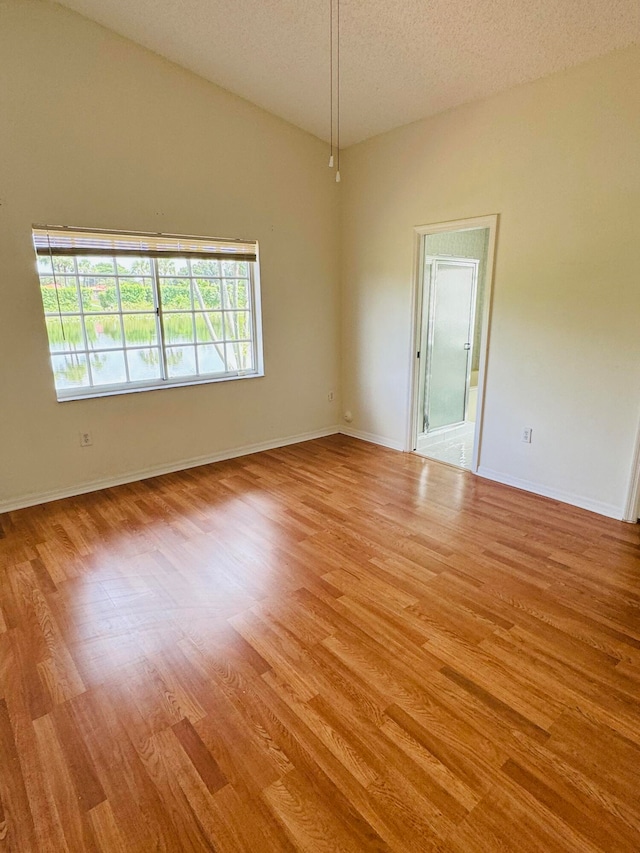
{"points": [[453, 288]]}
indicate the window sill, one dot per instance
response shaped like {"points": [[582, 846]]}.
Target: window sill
{"points": [[119, 390]]}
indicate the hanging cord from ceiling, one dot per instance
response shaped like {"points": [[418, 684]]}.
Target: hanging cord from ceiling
{"points": [[334, 87], [331, 79], [338, 99]]}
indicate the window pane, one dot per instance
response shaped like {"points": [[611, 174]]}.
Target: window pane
{"points": [[231, 330], [176, 294], [242, 294], [178, 328], [130, 265], [140, 329], [65, 334], [232, 357], [64, 298], [202, 266], [98, 294], [211, 359], [230, 268], [237, 325], [45, 266], [108, 368], [181, 361], [242, 357], [90, 295], [173, 266], [62, 265], [229, 294], [209, 326], [144, 364], [70, 371], [136, 294], [103, 331], [95, 265], [56, 335], [244, 325], [209, 292]]}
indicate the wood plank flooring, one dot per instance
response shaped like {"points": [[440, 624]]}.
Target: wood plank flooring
{"points": [[327, 647]]}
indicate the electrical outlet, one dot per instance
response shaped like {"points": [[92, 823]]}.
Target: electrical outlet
{"points": [[85, 439], [331, 396], [526, 435]]}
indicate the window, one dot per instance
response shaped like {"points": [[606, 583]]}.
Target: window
{"points": [[129, 312]]}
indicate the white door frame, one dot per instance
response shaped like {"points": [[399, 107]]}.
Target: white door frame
{"points": [[632, 507], [420, 231]]}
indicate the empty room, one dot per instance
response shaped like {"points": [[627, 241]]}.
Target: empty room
{"points": [[320, 426]]}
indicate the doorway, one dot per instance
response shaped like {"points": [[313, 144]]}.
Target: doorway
{"points": [[452, 301], [632, 508]]}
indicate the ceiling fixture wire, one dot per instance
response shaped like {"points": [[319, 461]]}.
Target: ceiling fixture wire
{"points": [[338, 99], [335, 86], [331, 79]]}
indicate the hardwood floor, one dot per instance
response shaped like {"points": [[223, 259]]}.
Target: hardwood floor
{"points": [[327, 647]]}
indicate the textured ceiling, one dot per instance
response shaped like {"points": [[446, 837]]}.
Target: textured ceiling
{"points": [[401, 60]]}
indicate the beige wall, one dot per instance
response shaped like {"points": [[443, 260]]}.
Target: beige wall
{"points": [[559, 160], [96, 131]]}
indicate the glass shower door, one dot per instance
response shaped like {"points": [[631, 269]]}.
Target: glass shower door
{"points": [[451, 307]]}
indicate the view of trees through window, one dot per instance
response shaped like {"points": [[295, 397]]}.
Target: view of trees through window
{"points": [[141, 320]]}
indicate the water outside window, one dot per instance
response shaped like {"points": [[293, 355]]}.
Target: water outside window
{"points": [[104, 325]]}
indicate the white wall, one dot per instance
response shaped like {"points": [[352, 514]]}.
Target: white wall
{"points": [[559, 160], [98, 132]]}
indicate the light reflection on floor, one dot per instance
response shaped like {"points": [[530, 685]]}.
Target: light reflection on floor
{"points": [[454, 445]]}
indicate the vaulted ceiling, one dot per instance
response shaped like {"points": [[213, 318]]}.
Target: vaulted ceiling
{"points": [[401, 60]]}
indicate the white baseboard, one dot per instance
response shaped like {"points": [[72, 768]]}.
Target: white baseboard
{"points": [[609, 510], [371, 437], [144, 474]]}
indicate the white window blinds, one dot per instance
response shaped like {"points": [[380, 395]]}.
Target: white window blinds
{"points": [[84, 242]]}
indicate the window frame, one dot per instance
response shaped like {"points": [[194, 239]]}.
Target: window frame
{"points": [[163, 345]]}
